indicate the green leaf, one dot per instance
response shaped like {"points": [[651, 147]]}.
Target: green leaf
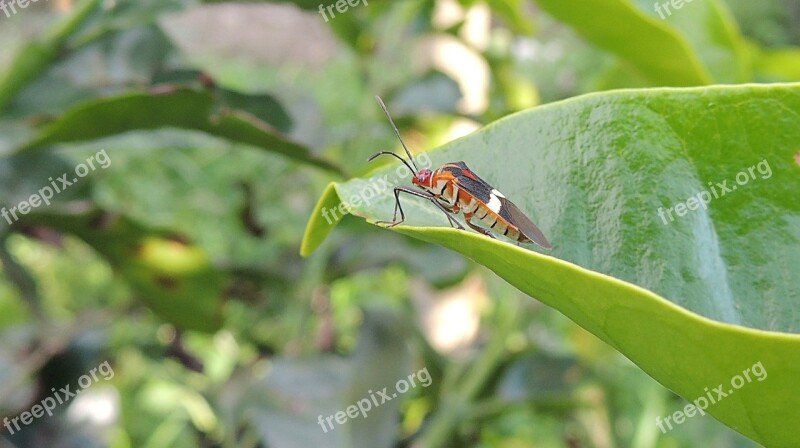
{"points": [[174, 278], [694, 301], [33, 57], [780, 65], [658, 51], [713, 34], [175, 107], [513, 12], [327, 385], [321, 225], [706, 31]]}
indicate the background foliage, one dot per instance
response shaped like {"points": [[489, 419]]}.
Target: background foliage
{"points": [[224, 122]]}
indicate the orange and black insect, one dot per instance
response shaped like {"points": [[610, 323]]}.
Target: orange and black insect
{"points": [[455, 188]]}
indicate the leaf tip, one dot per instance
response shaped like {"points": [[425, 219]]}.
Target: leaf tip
{"points": [[320, 224]]}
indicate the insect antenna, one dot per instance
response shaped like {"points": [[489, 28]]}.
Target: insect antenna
{"points": [[408, 153], [394, 155]]}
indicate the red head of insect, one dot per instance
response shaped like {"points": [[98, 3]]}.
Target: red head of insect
{"points": [[423, 179]]}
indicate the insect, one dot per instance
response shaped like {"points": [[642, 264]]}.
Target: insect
{"points": [[454, 188]]}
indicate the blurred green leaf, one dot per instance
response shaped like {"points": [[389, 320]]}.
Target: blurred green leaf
{"points": [[106, 67], [359, 254], [173, 107], [513, 12], [263, 107], [433, 92], [173, 277], [285, 404], [713, 34], [597, 172], [771, 24], [657, 50], [123, 16], [33, 57], [539, 377], [779, 65], [22, 175]]}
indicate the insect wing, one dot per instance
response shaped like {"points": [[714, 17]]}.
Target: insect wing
{"points": [[496, 202], [524, 224], [469, 181]]}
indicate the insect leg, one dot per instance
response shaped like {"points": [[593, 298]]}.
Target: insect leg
{"points": [[468, 219], [397, 206], [421, 194]]}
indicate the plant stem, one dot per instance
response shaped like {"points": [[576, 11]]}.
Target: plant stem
{"points": [[456, 405], [33, 57]]}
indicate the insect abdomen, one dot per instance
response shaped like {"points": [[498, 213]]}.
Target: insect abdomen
{"points": [[498, 224], [461, 200]]}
